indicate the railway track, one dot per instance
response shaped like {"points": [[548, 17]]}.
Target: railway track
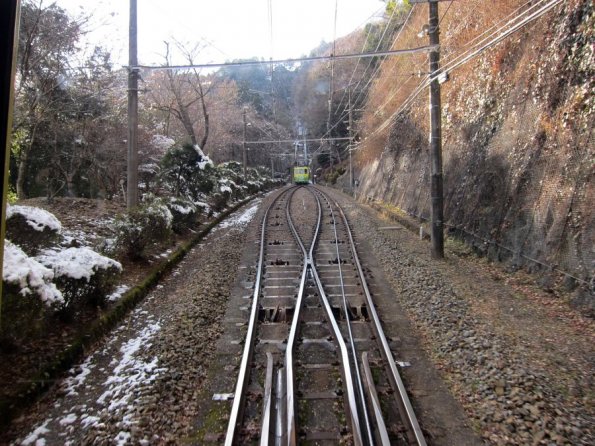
{"points": [[316, 366]]}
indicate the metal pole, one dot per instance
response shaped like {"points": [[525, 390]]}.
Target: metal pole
{"points": [[244, 158], [305, 147], [9, 31], [272, 168], [436, 187], [132, 165]]}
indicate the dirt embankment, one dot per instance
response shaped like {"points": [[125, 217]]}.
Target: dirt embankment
{"points": [[518, 141]]}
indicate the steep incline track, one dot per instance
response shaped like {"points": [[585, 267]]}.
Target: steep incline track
{"points": [[316, 366]]}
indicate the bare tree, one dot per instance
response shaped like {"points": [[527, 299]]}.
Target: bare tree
{"points": [[184, 91]]}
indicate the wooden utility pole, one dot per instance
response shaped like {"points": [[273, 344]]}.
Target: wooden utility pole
{"points": [[244, 157], [132, 164], [350, 142], [436, 186]]}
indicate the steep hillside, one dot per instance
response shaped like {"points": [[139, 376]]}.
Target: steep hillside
{"points": [[518, 141]]}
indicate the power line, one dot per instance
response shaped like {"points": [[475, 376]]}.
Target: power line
{"points": [[469, 45], [344, 115], [321, 140], [445, 12], [370, 61], [332, 74], [247, 63], [472, 53]]}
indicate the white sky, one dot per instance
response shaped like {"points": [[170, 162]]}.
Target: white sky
{"points": [[233, 28]]}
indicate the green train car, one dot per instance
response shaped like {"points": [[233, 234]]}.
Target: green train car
{"points": [[301, 175]]}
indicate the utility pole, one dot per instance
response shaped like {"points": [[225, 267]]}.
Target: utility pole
{"points": [[132, 164], [244, 157], [436, 186], [305, 146], [272, 168], [350, 143]]}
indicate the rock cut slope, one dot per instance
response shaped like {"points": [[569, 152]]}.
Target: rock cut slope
{"points": [[518, 141]]}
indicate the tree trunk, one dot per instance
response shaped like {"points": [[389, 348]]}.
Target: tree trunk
{"points": [[22, 172], [203, 142], [187, 123], [70, 185]]}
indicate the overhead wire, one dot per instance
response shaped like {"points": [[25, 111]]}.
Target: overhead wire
{"points": [[332, 73], [364, 90], [246, 63], [418, 67], [523, 19], [167, 12], [469, 44], [370, 61], [345, 114], [270, 13]]}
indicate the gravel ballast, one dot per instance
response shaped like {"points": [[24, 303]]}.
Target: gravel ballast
{"points": [[519, 362]]}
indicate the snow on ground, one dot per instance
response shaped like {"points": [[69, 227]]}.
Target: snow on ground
{"points": [[117, 294], [36, 437], [242, 219], [72, 383], [68, 419], [131, 371], [117, 383]]}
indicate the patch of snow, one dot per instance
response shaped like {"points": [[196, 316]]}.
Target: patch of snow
{"points": [[130, 371], [68, 419], [225, 189], [36, 437], [179, 207], [162, 142], [37, 218], [70, 236], [89, 420], [149, 168], [117, 294], [242, 219], [77, 263], [205, 160], [29, 274], [74, 382], [162, 209], [201, 204], [122, 438], [164, 254]]}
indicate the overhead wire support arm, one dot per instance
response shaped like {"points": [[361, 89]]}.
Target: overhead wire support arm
{"points": [[343, 138], [246, 63]]}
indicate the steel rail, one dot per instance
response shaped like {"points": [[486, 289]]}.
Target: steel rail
{"points": [[395, 377], [280, 430], [348, 324], [289, 374], [265, 429], [383, 433], [248, 344], [351, 395]]}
